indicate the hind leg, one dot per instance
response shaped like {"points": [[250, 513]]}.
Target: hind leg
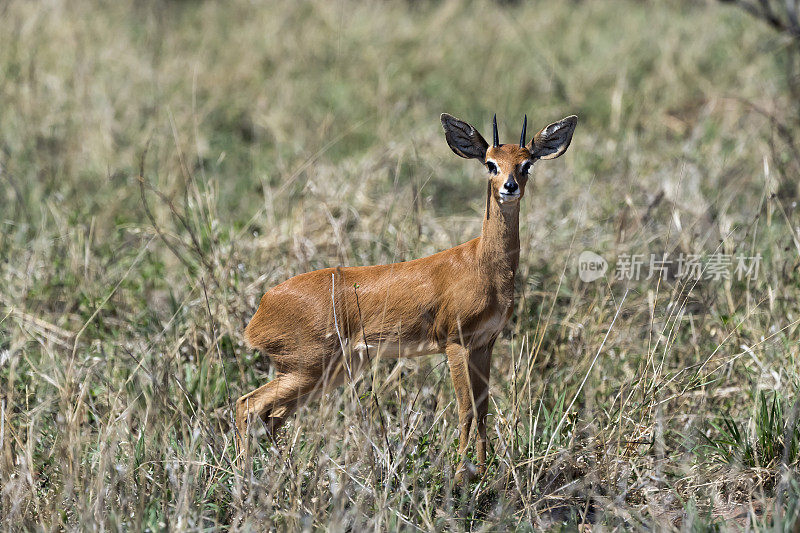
{"points": [[273, 403]]}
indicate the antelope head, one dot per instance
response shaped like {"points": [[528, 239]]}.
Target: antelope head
{"points": [[508, 165]]}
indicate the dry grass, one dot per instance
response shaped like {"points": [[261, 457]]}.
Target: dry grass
{"points": [[287, 137]]}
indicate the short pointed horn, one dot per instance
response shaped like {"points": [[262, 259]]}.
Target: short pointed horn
{"points": [[494, 126], [524, 127]]}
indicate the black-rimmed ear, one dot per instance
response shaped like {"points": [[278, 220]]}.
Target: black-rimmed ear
{"points": [[553, 140], [463, 139]]}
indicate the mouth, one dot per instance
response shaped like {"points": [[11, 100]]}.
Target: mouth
{"points": [[509, 197]]}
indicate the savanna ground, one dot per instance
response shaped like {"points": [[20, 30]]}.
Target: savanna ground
{"points": [[285, 137]]}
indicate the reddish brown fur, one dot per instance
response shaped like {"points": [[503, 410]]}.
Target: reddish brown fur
{"points": [[456, 301]]}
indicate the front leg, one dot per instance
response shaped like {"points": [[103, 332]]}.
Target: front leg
{"points": [[458, 360], [479, 367], [469, 369]]}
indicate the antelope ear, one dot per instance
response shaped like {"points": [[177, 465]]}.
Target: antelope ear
{"points": [[553, 140], [463, 139]]}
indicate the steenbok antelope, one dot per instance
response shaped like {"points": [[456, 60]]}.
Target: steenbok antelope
{"points": [[322, 327]]}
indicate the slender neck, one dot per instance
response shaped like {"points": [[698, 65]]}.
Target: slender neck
{"points": [[499, 244]]}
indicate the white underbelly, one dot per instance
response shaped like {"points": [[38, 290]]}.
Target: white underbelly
{"points": [[405, 348]]}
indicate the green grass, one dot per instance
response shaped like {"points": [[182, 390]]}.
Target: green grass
{"points": [[768, 438], [285, 137]]}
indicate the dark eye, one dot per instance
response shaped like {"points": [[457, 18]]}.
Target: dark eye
{"points": [[492, 167], [525, 168]]}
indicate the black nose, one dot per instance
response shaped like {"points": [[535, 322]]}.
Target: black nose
{"points": [[511, 186]]}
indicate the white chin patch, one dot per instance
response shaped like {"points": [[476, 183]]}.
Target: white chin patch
{"points": [[508, 197]]}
